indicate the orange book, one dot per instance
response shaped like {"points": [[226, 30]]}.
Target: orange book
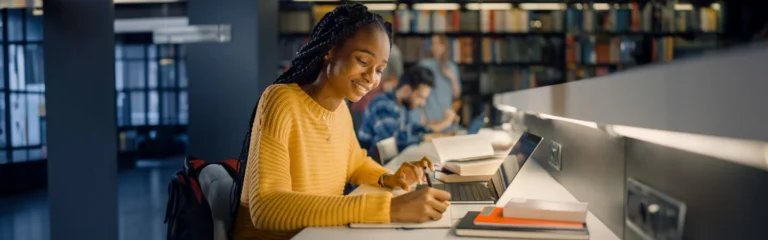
{"points": [[487, 50], [455, 21], [491, 21], [635, 17], [396, 22], [494, 216]]}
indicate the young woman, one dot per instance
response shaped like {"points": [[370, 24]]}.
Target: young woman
{"points": [[438, 112], [303, 148]]}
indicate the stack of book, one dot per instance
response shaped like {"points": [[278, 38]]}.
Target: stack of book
{"points": [[528, 219], [467, 158]]}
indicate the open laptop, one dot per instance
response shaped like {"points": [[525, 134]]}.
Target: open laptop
{"points": [[490, 191]]}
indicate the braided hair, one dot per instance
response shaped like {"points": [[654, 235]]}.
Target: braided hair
{"points": [[332, 30]]}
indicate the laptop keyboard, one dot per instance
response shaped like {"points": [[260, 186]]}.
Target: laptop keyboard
{"points": [[465, 192]]}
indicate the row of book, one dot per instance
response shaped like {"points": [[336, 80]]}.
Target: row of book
{"points": [[650, 17], [460, 49], [534, 50], [486, 21], [626, 17], [301, 21], [663, 49], [594, 50], [413, 21], [517, 20], [704, 20], [522, 50]]}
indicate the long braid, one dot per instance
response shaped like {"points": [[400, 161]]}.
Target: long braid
{"points": [[332, 30]]}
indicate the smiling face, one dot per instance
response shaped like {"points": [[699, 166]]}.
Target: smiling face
{"points": [[355, 66]]}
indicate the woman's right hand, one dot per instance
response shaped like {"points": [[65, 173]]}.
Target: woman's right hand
{"points": [[419, 206]]}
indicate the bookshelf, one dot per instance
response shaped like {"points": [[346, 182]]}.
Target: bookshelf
{"points": [[513, 45]]}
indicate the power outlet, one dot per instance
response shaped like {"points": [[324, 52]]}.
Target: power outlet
{"points": [[653, 215], [556, 156]]}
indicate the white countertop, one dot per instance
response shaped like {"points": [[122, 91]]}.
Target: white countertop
{"points": [[531, 182]]}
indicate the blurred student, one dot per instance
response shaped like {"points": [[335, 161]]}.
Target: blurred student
{"points": [[388, 114], [438, 110], [303, 149]]}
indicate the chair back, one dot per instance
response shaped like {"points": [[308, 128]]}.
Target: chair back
{"points": [[387, 149]]}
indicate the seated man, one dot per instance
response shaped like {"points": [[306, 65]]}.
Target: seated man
{"points": [[388, 114]]}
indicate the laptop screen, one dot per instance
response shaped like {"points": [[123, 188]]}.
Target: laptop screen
{"points": [[520, 154]]}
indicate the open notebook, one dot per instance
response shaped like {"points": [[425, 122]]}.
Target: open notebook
{"points": [[445, 222]]}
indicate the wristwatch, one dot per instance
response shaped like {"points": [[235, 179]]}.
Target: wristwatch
{"points": [[381, 179]]}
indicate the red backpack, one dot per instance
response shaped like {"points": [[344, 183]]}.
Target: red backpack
{"points": [[188, 213]]}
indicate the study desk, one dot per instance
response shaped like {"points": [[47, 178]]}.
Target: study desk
{"points": [[532, 182]]}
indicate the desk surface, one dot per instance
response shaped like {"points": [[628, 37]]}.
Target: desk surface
{"points": [[532, 182]]}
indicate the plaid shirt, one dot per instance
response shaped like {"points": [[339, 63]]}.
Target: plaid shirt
{"points": [[386, 118]]}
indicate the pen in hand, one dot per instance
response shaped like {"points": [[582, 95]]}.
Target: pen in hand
{"points": [[429, 179]]}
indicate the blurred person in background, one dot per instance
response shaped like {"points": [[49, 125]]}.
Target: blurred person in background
{"points": [[388, 114], [439, 113]]}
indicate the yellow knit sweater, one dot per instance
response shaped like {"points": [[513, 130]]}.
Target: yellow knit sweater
{"points": [[301, 156]]}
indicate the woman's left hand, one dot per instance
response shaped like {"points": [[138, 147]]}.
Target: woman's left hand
{"points": [[408, 174]]}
